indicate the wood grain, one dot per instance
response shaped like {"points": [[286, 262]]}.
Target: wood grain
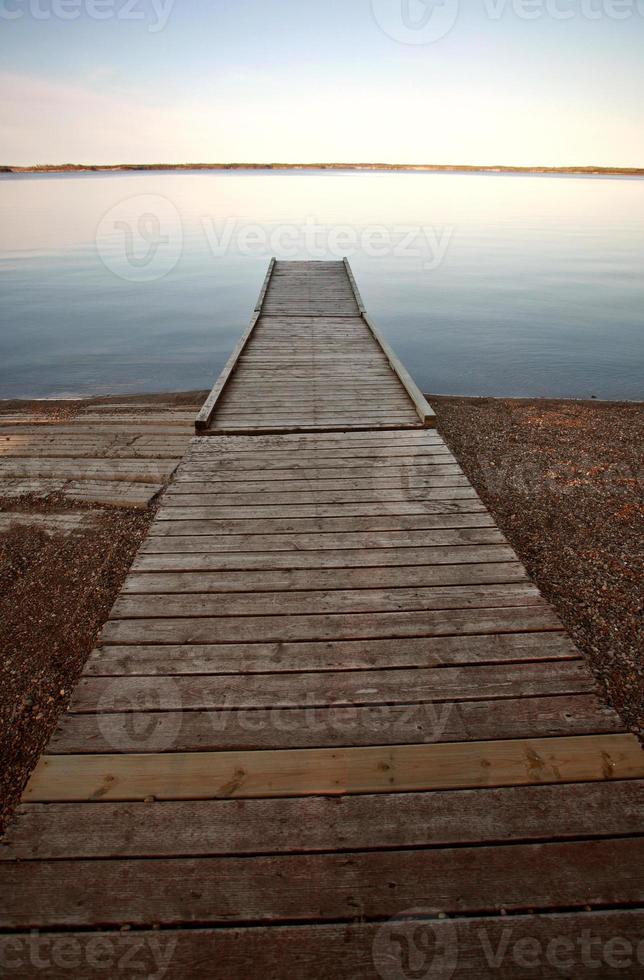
{"points": [[209, 827], [233, 658], [318, 887], [314, 772]]}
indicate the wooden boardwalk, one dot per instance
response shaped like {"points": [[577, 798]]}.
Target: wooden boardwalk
{"points": [[311, 360], [328, 694]]}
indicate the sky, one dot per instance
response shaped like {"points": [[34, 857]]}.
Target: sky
{"points": [[514, 82]]}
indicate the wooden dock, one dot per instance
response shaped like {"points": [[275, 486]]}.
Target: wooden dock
{"points": [[312, 360], [328, 697]]}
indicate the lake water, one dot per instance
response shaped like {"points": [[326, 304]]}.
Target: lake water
{"points": [[483, 284]]}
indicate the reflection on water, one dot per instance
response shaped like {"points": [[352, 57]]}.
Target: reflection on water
{"points": [[483, 284]]}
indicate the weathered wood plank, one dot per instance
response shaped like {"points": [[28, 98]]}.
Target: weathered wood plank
{"points": [[113, 493], [299, 468], [468, 514], [187, 479], [488, 948], [118, 446], [406, 459], [324, 541], [285, 444], [202, 506], [180, 421], [416, 686], [22, 487], [114, 660], [318, 441], [90, 453], [86, 428], [227, 429], [210, 827], [289, 403], [231, 729], [332, 602], [185, 581], [322, 886], [351, 626], [155, 406], [307, 420], [381, 562], [133, 470], [78, 436], [299, 481], [307, 396], [442, 497]]}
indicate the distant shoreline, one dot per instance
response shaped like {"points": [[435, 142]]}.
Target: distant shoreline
{"points": [[378, 167]]}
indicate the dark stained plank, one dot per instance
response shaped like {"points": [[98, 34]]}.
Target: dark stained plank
{"points": [[479, 948], [314, 887], [209, 827]]}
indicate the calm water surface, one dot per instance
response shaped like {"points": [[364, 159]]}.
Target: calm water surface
{"points": [[484, 285]]}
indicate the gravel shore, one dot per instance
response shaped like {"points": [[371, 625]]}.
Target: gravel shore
{"points": [[56, 593], [564, 481]]}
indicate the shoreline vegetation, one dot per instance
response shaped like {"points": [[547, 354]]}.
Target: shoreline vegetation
{"points": [[54, 168]]}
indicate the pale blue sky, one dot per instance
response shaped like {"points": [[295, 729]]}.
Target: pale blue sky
{"points": [[323, 80]]}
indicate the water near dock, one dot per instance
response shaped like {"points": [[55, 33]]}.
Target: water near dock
{"points": [[502, 285]]}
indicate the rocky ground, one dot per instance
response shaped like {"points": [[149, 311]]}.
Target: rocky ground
{"points": [[56, 591], [564, 481]]}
